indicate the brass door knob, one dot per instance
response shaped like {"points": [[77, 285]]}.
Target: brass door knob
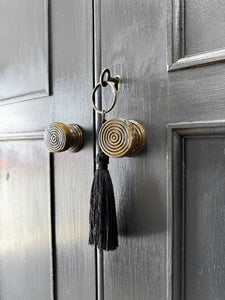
{"points": [[60, 137], [119, 137]]}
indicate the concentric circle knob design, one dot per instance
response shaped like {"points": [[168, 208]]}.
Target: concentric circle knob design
{"points": [[60, 137], [119, 137]]}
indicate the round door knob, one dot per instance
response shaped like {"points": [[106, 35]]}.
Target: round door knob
{"points": [[119, 137], [60, 137]]}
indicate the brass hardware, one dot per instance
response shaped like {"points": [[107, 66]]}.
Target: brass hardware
{"points": [[119, 137], [60, 137], [115, 84], [115, 80]]}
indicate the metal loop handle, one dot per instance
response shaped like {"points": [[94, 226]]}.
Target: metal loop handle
{"points": [[93, 99], [114, 82], [102, 75]]}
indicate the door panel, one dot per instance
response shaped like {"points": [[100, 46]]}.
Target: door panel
{"points": [[204, 243], [204, 26], [25, 221], [196, 211], [133, 39], [195, 33], [71, 81], [75, 259], [24, 50]]}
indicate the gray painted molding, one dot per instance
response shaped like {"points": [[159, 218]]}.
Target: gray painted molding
{"points": [[176, 133], [176, 42], [44, 91], [36, 135]]}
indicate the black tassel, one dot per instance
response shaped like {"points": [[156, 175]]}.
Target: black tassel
{"points": [[103, 223]]}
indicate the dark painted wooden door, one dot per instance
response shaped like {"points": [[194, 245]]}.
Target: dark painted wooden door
{"points": [[45, 59], [170, 199]]}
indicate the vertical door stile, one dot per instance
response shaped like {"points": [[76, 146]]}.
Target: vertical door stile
{"points": [[97, 65]]}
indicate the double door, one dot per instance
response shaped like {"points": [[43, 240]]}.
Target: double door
{"points": [[169, 199]]}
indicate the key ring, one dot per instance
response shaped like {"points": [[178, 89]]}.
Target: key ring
{"points": [[115, 84]]}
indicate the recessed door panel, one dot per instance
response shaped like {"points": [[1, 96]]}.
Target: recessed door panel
{"points": [[204, 243], [204, 26], [23, 50], [196, 209], [195, 33], [25, 221]]}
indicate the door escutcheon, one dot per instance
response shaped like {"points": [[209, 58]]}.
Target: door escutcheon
{"points": [[60, 137]]}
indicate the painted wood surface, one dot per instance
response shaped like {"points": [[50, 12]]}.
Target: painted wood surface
{"points": [[195, 210], [72, 86], [25, 221], [134, 45], [192, 39], [204, 243], [71, 80], [130, 38], [24, 50], [204, 26]]}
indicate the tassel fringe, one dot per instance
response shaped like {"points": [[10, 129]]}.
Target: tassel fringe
{"points": [[102, 217]]}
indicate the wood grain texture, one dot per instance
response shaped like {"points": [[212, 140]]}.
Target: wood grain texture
{"points": [[192, 39], [24, 50], [195, 207], [133, 46], [204, 245], [71, 86], [25, 221], [204, 26], [199, 93], [131, 41]]}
